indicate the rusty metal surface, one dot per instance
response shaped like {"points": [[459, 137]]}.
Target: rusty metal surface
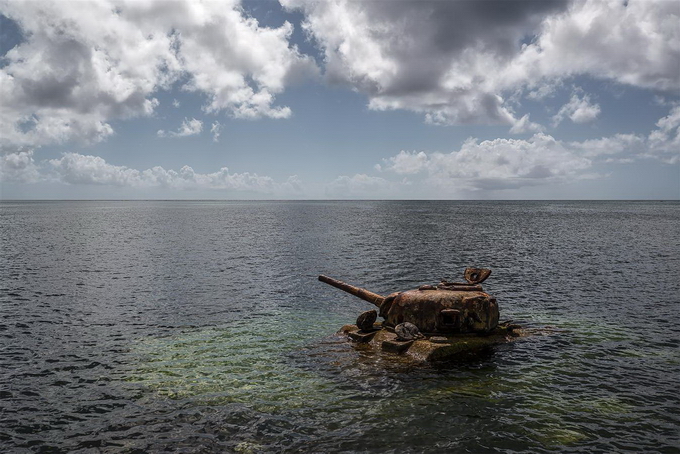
{"points": [[447, 308], [442, 311], [443, 285], [366, 320], [362, 293], [476, 275]]}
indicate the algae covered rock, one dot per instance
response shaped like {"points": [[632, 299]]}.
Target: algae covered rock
{"points": [[429, 349]]}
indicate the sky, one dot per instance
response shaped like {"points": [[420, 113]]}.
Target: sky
{"points": [[309, 99]]}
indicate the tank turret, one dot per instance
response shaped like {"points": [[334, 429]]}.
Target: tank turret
{"points": [[442, 309]]}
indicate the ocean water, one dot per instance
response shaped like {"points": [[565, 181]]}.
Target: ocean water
{"points": [[201, 327]]}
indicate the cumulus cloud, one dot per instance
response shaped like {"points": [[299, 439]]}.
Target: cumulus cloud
{"points": [[188, 128], [427, 56], [494, 164], [513, 163], [578, 110], [75, 168], [635, 42], [19, 167], [359, 185], [664, 142], [292, 187], [406, 163], [455, 62], [83, 64], [617, 148], [546, 89], [240, 65]]}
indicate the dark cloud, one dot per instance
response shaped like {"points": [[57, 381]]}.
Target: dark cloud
{"points": [[71, 63], [423, 37], [451, 26], [456, 61]]}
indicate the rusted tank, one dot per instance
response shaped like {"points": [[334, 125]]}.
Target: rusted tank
{"points": [[442, 309]]}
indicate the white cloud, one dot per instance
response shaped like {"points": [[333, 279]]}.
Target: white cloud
{"points": [[188, 128], [546, 89], [496, 164], [524, 125], [292, 187], [455, 62], [617, 148], [216, 130], [664, 142], [542, 159], [636, 42], [406, 163], [19, 167], [359, 185], [238, 64], [578, 110], [74, 168], [83, 64]]}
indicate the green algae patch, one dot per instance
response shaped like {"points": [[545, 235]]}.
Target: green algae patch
{"points": [[241, 362], [552, 436], [431, 349]]}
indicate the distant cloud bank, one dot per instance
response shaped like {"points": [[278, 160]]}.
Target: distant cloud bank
{"points": [[488, 165], [78, 169]]}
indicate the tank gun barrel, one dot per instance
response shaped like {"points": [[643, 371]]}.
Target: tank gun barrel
{"points": [[362, 293]]}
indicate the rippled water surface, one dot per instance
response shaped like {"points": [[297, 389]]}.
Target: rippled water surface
{"points": [[201, 327]]}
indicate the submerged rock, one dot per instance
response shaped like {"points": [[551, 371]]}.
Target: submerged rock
{"points": [[431, 348]]}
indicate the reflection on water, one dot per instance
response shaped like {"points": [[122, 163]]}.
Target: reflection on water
{"points": [[199, 326]]}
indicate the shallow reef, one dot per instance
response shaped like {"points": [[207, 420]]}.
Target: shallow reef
{"points": [[431, 348]]}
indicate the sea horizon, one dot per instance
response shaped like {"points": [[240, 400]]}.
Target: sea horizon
{"points": [[340, 200]]}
